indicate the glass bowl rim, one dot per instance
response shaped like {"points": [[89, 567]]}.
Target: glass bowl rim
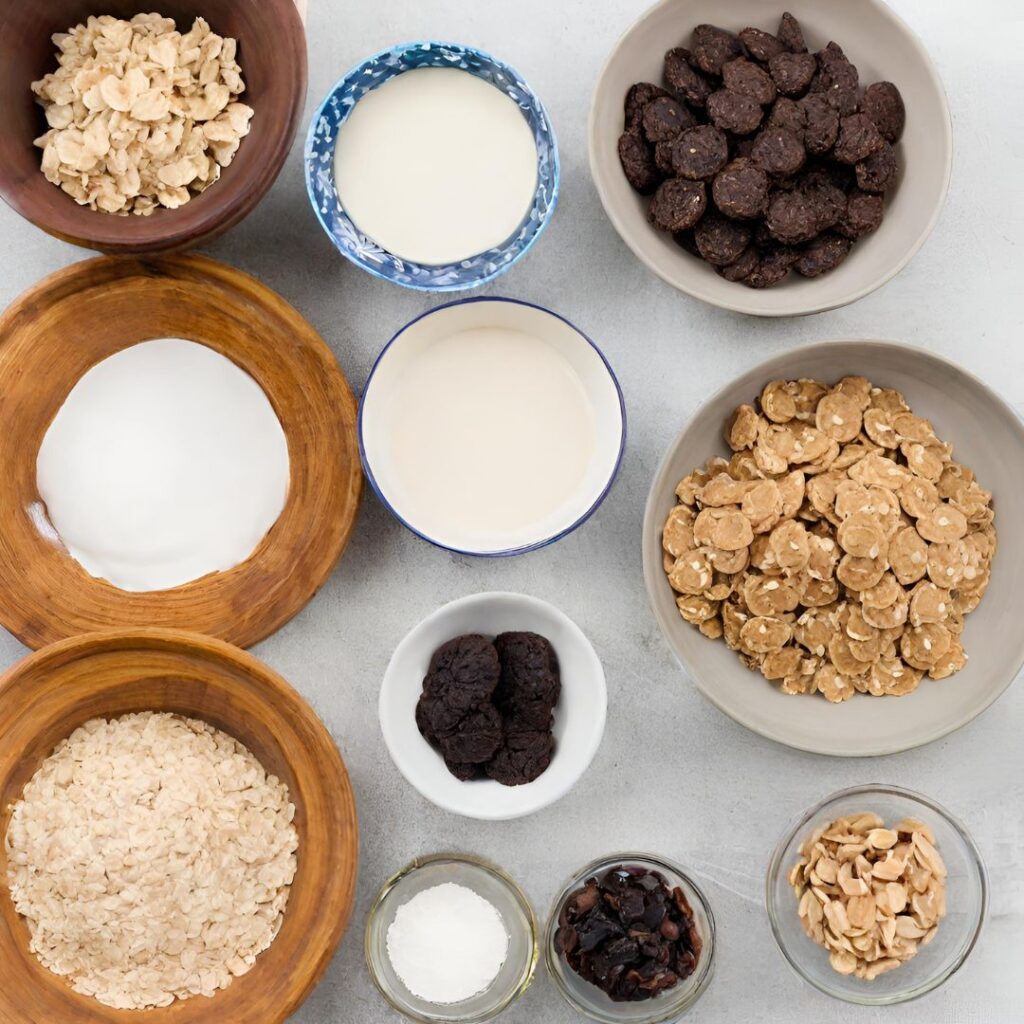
{"points": [[472, 861], [800, 822], [669, 1009]]}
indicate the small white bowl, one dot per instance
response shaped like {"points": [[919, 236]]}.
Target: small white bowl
{"points": [[579, 715], [883, 47], [585, 361]]}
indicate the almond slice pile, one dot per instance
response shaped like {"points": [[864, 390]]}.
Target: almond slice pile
{"points": [[871, 895]]}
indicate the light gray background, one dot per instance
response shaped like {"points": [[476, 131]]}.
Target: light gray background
{"points": [[673, 775]]}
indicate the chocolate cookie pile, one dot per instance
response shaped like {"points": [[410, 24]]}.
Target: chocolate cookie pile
{"points": [[488, 706], [629, 934], [760, 156]]}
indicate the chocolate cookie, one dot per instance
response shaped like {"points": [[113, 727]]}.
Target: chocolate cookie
{"points": [[521, 758], [684, 80], [883, 103], [821, 124], [858, 139], [637, 159], [711, 47], [792, 217], [863, 214], [877, 173], [721, 240], [792, 73], [637, 97], [790, 34], [746, 78], [778, 151], [740, 189], [664, 118], [700, 153], [475, 739], [837, 79], [742, 267], [734, 112], [788, 114], [773, 266], [678, 204], [529, 670], [761, 45], [822, 254]]}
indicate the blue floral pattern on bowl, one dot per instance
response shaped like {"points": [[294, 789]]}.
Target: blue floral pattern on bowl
{"points": [[363, 251]]}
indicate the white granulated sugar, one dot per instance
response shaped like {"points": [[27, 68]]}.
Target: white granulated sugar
{"points": [[447, 944], [152, 857]]}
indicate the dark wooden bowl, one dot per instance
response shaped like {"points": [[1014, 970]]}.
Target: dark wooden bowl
{"points": [[272, 55], [45, 697], [70, 321]]}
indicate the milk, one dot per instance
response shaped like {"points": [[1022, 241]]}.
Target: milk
{"points": [[436, 165], [487, 437]]}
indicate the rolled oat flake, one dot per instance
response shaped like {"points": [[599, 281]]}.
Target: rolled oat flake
{"points": [[447, 944]]}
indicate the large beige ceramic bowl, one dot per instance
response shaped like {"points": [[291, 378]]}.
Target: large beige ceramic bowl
{"points": [[986, 435], [882, 47]]}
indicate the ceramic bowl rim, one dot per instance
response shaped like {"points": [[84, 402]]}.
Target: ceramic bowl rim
{"points": [[746, 299], [521, 549], [556, 167], [653, 581]]}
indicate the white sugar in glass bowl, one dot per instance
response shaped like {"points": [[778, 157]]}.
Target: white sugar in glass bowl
{"points": [[883, 48], [579, 714], [491, 426]]}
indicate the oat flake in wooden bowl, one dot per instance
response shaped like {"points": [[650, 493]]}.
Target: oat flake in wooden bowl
{"points": [[152, 856]]}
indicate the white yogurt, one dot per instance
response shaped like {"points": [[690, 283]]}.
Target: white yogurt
{"points": [[486, 437], [436, 165], [165, 462]]}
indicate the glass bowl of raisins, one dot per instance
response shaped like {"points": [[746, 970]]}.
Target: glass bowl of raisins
{"points": [[630, 939]]}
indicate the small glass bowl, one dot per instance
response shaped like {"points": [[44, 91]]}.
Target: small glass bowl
{"points": [[966, 893], [493, 885], [588, 999]]}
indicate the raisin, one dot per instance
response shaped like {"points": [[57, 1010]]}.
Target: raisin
{"points": [[637, 159], [700, 153], [684, 80], [740, 189], [790, 34], [721, 240], [823, 254], [779, 151], [883, 103], [761, 45], [712, 47], [678, 204], [746, 78], [664, 118], [792, 73], [734, 112]]}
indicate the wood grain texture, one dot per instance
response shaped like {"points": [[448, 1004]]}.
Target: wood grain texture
{"points": [[79, 316], [272, 55], [50, 693]]}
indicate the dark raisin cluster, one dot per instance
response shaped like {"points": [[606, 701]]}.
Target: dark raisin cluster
{"points": [[629, 934]]}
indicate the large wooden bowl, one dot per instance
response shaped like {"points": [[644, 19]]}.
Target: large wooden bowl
{"points": [[78, 316], [272, 55], [49, 694]]}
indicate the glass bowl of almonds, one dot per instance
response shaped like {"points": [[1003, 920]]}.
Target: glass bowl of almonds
{"points": [[876, 895]]}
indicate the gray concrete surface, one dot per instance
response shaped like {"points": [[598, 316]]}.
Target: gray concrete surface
{"points": [[673, 774]]}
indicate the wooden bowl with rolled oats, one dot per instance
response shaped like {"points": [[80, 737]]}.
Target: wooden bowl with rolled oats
{"points": [[178, 835], [133, 131], [823, 549], [876, 895]]}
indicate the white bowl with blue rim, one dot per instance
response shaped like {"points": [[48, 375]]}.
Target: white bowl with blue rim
{"points": [[363, 251], [579, 356]]}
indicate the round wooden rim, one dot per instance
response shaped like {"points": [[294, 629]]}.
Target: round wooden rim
{"points": [[50, 690], [86, 312]]}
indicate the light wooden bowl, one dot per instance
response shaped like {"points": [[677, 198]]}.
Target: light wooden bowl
{"points": [[50, 693], [272, 55], [79, 316]]}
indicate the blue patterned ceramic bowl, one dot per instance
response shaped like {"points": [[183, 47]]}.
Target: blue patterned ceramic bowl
{"points": [[363, 251]]}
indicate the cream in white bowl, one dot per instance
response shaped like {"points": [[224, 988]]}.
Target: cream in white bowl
{"points": [[883, 48], [491, 426], [579, 715]]}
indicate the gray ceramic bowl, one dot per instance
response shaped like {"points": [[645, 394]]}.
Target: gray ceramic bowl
{"points": [[986, 435], [883, 47]]}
